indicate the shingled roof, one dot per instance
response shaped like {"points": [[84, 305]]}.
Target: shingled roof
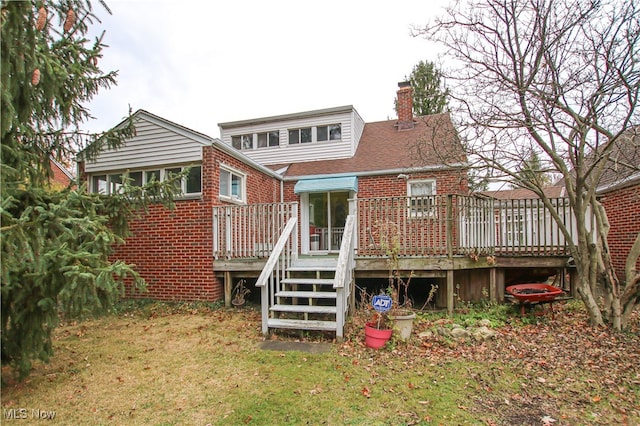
{"points": [[624, 162], [431, 144], [523, 193]]}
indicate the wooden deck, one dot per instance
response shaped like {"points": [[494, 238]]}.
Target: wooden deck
{"points": [[469, 247]]}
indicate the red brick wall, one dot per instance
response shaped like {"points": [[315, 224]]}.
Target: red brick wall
{"points": [[623, 208], [59, 178], [447, 182], [173, 249], [431, 231]]}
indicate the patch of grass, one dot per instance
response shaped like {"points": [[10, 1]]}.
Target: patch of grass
{"points": [[187, 364]]}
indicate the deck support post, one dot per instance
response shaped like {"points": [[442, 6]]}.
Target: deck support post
{"points": [[450, 291], [493, 288], [228, 288]]}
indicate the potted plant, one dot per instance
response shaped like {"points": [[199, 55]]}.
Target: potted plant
{"points": [[239, 293], [377, 330], [401, 313]]}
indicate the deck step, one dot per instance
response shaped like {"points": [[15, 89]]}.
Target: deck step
{"points": [[307, 309], [314, 264], [302, 324], [308, 294], [308, 281]]}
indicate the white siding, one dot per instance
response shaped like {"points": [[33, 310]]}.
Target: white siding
{"points": [[155, 144], [358, 128], [349, 121]]}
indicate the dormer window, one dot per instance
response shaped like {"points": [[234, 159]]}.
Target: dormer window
{"points": [[253, 141], [268, 139], [300, 135], [332, 132], [242, 141]]}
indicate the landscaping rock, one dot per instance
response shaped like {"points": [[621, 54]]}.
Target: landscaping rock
{"points": [[443, 332], [483, 333], [484, 323], [426, 335], [460, 333]]}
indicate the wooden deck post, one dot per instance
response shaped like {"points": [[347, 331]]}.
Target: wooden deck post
{"points": [[450, 291], [228, 288], [493, 288], [449, 238]]}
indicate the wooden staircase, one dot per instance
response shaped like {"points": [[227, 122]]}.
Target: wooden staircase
{"points": [[306, 299]]}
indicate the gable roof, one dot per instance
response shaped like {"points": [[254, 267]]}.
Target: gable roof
{"points": [[555, 191], [61, 175], [624, 162], [432, 144]]}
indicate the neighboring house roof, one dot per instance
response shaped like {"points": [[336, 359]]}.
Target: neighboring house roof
{"points": [[432, 144], [61, 175], [522, 193], [624, 162]]}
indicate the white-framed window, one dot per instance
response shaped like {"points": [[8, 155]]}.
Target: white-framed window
{"points": [[232, 184], [113, 182], [422, 198], [242, 142], [302, 135], [189, 185], [331, 132], [268, 139]]}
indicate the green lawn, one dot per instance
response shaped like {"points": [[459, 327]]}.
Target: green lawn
{"points": [[168, 365]]}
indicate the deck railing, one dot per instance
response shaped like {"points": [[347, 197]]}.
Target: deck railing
{"points": [[251, 230], [441, 225], [285, 251], [343, 281], [446, 225]]}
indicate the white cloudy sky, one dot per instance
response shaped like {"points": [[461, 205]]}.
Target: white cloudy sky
{"points": [[202, 62]]}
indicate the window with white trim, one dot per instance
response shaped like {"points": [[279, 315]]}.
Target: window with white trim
{"points": [[422, 200], [268, 139], [297, 136], [331, 132], [232, 184], [242, 142], [113, 183]]}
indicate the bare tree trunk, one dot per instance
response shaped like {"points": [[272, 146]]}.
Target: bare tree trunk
{"points": [[631, 294], [584, 290]]}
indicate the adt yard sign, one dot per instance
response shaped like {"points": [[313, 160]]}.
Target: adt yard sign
{"points": [[381, 302]]}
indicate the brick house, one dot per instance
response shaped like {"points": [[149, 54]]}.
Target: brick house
{"points": [[60, 176], [301, 205], [619, 192]]}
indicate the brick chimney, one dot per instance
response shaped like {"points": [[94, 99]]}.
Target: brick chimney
{"points": [[405, 105]]}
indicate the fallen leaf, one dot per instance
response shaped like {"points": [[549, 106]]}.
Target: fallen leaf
{"points": [[366, 392]]}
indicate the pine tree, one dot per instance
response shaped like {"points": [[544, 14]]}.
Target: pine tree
{"points": [[531, 173], [429, 94], [55, 244]]}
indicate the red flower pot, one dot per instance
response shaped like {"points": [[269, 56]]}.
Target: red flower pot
{"points": [[375, 338]]}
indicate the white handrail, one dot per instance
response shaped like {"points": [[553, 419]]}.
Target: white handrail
{"points": [[277, 251], [346, 252]]}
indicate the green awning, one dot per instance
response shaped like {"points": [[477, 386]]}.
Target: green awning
{"points": [[347, 183]]}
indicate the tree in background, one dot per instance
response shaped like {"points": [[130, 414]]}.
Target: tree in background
{"points": [[562, 76], [55, 244], [429, 94], [532, 173]]}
